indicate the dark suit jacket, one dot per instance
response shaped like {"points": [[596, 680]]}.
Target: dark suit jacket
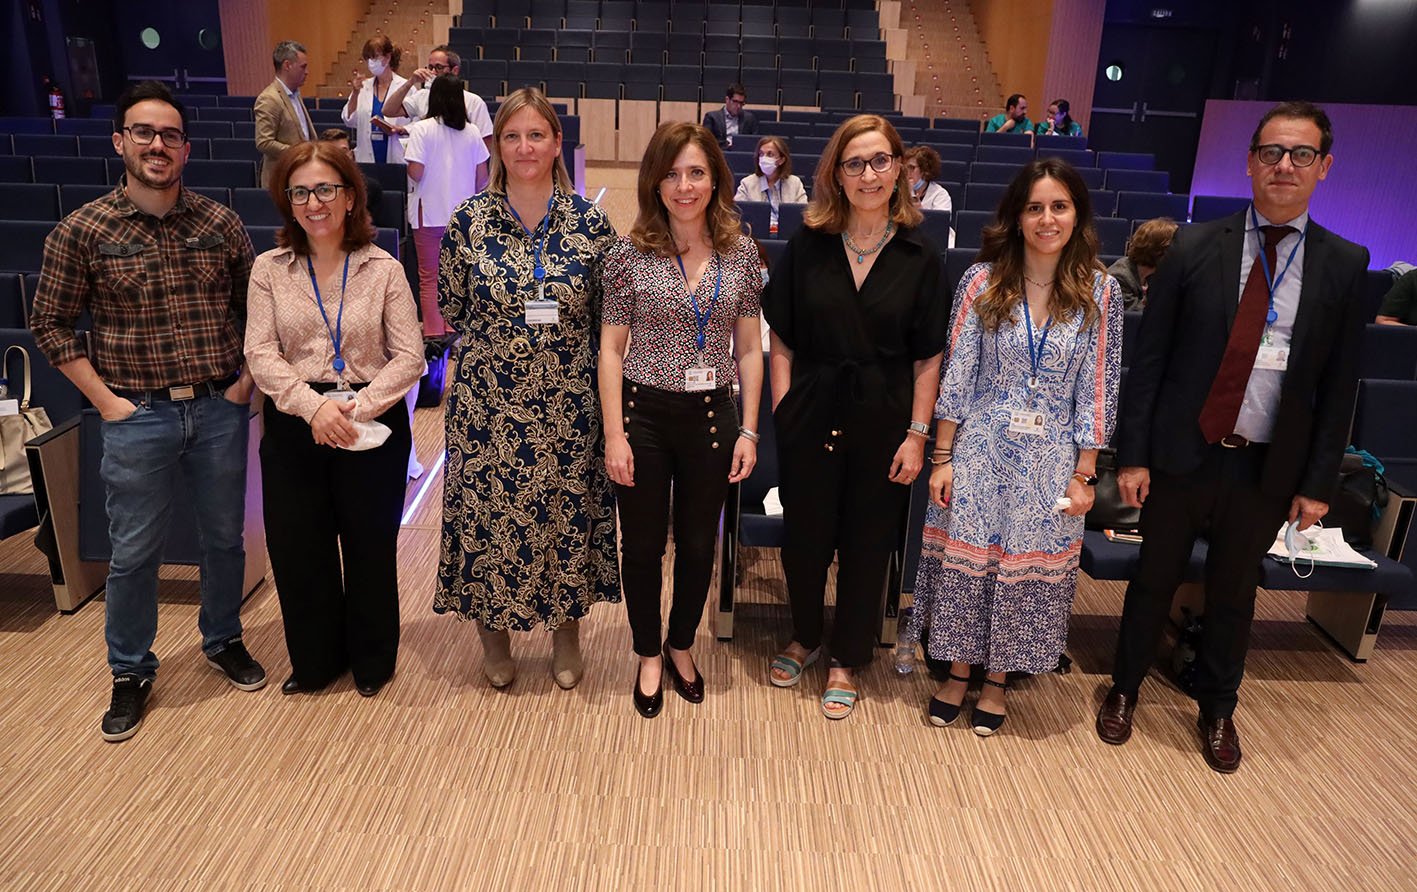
{"points": [[747, 123], [1190, 307]]}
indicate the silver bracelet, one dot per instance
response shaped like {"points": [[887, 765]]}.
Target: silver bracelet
{"points": [[751, 435]]}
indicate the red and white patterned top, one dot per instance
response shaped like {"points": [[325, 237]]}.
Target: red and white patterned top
{"points": [[648, 294]]}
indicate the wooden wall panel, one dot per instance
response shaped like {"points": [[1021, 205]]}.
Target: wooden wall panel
{"points": [[1071, 68], [246, 46], [1017, 35]]}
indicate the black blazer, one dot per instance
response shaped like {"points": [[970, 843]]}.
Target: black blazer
{"points": [[1190, 307], [713, 121]]}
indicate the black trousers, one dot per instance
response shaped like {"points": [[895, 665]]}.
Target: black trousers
{"points": [[682, 442], [322, 504], [841, 501], [1222, 501]]}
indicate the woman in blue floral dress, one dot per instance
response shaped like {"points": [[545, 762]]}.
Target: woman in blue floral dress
{"points": [[528, 511], [1027, 398]]}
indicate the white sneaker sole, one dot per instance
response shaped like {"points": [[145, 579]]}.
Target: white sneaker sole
{"points": [[122, 735]]}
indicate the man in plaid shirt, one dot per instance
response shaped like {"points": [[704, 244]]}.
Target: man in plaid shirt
{"points": [[162, 272]]}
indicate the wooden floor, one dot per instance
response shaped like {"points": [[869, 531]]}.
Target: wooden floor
{"points": [[440, 782]]}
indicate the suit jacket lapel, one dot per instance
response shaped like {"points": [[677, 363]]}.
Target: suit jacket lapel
{"points": [[1230, 251], [1310, 296]]}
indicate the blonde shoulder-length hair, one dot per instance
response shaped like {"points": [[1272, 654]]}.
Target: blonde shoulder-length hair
{"points": [[650, 233], [534, 99], [828, 210]]}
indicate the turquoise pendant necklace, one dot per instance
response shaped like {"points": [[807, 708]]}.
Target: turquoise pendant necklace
{"points": [[862, 255]]}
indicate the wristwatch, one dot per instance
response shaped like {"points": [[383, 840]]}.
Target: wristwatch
{"points": [[1084, 479]]}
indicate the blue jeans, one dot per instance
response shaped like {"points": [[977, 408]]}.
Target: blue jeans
{"points": [[200, 443]]}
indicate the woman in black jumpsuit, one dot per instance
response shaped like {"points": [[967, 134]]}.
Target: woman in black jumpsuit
{"points": [[859, 324]]}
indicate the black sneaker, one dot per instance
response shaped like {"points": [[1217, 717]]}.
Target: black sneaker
{"points": [[125, 711], [236, 663]]}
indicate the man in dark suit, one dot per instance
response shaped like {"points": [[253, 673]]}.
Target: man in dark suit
{"points": [[727, 123], [1236, 412]]}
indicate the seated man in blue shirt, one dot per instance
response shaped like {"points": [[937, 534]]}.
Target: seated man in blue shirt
{"points": [[1014, 118]]}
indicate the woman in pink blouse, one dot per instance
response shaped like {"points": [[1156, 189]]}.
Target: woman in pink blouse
{"points": [[682, 290], [333, 339]]}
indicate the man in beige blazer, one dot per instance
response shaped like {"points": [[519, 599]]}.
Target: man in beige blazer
{"points": [[281, 118]]}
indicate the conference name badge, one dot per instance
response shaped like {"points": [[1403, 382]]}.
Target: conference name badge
{"points": [[1274, 359], [700, 377], [542, 312], [1022, 421]]}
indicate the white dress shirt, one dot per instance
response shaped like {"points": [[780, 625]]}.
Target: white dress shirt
{"points": [[300, 113]]}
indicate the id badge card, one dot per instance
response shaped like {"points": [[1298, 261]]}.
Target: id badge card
{"points": [[700, 377], [341, 393], [542, 311], [1274, 359], [377, 135], [1024, 421]]}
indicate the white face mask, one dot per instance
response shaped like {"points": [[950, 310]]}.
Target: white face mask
{"points": [[767, 165], [377, 66]]}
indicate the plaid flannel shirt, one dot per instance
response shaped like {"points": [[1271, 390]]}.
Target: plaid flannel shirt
{"points": [[167, 297]]}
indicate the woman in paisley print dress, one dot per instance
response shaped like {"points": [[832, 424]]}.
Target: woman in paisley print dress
{"points": [[528, 511], [998, 566]]}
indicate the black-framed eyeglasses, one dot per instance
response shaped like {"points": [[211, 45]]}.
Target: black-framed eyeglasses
{"points": [[440, 68], [144, 135], [1299, 156], [880, 163], [325, 192]]}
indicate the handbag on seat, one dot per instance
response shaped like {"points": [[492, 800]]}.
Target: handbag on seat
{"points": [[19, 423]]}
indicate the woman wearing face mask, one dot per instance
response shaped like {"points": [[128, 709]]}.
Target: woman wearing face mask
{"points": [[1028, 397], [365, 107], [774, 183], [332, 340], [681, 290], [922, 166], [858, 325], [1058, 122]]}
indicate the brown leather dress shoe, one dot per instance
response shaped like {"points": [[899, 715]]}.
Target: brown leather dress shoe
{"points": [[1220, 743], [1114, 719]]}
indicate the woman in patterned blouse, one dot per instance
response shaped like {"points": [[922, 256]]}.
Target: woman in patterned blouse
{"points": [[678, 289], [528, 513], [1027, 399]]}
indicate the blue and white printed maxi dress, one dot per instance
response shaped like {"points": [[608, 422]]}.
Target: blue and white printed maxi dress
{"points": [[998, 568]]}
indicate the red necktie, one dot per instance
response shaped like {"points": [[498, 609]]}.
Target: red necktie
{"points": [[1227, 391]]}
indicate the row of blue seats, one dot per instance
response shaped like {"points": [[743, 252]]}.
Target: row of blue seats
{"points": [[96, 146], [102, 125], [46, 202], [856, 18]]}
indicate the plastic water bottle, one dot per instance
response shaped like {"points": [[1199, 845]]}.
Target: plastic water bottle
{"points": [[904, 651]]}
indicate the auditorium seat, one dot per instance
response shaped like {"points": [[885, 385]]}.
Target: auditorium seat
{"points": [[995, 154], [29, 201], [957, 153], [96, 147], [529, 73], [1009, 138], [26, 125], [964, 125], [223, 114], [937, 226], [757, 218], [234, 150], [13, 313], [22, 244], [71, 170], [1213, 207], [642, 82], [1079, 158], [1092, 176], [255, 208], [1112, 234], [1384, 418], [957, 260], [1056, 141], [1138, 180], [863, 24], [84, 127], [1126, 160], [1389, 352], [983, 196], [869, 56], [230, 174], [1104, 202], [969, 225], [1150, 205], [983, 172], [798, 86], [49, 144], [789, 219]]}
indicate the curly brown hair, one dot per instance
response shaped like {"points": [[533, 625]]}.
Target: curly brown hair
{"points": [[650, 233], [358, 225], [1003, 246], [927, 159], [1149, 243]]}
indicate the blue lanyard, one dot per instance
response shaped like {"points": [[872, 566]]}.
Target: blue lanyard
{"points": [[538, 271], [701, 319], [1035, 356], [1269, 279], [336, 334]]}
